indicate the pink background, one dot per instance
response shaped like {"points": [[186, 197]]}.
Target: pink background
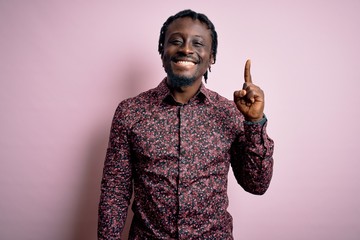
{"points": [[65, 65]]}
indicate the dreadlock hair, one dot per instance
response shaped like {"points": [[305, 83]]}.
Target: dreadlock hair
{"points": [[195, 16]]}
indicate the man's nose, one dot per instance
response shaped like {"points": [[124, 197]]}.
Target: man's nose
{"points": [[186, 48]]}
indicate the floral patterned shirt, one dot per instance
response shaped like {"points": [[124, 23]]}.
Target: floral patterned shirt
{"points": [[176, 158]]}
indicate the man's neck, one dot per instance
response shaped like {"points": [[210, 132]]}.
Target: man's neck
{"points": [[184, 94]]}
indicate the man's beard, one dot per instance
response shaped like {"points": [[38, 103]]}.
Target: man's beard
{"points": [[177, 81]]}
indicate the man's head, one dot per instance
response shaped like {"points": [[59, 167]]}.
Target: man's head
{"points": [[188, 46]]}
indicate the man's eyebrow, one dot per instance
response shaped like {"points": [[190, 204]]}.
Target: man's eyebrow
{"points": [[179, 33]]}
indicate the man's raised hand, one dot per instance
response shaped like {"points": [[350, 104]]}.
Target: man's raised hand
{"points": [[250, 100]]}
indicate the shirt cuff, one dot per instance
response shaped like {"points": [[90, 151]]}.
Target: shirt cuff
{"points": [[261, 121]]}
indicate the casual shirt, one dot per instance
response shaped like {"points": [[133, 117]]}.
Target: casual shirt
{"points": [[176, 159]]}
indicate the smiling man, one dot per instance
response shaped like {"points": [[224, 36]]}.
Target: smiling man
{"points": [[173, 145]]}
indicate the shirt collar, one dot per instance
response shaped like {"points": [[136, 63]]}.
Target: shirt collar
{"points": [[164, 93]]}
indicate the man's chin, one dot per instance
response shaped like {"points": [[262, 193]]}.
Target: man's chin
{"points": [[177, 81]]}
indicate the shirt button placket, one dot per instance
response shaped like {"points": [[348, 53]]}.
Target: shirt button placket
{"points": [[182, 171]]}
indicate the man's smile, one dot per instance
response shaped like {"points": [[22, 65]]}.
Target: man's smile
{"points": [[185, 63]]}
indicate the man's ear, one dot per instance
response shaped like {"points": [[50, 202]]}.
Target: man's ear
{"points": [[212, 59], [162, 59]]}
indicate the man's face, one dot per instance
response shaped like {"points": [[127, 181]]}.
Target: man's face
{"points": [[187, 51]]}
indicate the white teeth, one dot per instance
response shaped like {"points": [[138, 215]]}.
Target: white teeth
{"points": [[187, 63]]}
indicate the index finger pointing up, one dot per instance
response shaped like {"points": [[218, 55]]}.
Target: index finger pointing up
{"points": [[247, 74]]}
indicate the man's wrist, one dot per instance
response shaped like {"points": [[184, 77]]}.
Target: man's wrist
{"points": [[261, 121]]}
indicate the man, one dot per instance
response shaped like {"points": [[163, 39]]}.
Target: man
{"points": [[175, 144]]}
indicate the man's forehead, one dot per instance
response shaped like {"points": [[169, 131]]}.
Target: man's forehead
{"points": [[188, 24]]}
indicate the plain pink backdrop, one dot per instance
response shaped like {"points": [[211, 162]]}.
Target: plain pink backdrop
{"points": [[65, 65]]}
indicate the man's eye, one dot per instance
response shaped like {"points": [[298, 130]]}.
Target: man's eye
{"points": [[176, 42], [198, 44]]}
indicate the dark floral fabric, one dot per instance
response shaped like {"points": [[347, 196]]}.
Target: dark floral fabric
{"points": [[176, 158]]}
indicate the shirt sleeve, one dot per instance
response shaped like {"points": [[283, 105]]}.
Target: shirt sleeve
{"points": [[116, 184], [252, 158]]}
